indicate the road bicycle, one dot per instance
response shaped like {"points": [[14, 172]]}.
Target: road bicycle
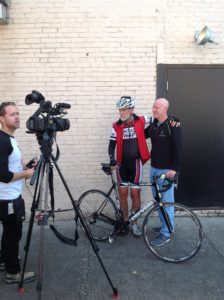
{"points": [[105, 219]]}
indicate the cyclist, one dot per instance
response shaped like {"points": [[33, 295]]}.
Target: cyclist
{"points": [[166, 157], [131, 153]]}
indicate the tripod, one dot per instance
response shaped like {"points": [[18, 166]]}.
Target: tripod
{"points": [[44, 170]]}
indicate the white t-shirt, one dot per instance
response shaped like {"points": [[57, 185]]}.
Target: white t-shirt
{"points": [[11, 190]]}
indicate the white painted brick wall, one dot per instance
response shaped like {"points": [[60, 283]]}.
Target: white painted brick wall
{"points": [[89, 53]]}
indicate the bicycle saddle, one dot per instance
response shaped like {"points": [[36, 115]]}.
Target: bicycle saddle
{"points": [[106, 168]]}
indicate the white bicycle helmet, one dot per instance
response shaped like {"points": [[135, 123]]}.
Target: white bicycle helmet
{"points": [[126, 102]]}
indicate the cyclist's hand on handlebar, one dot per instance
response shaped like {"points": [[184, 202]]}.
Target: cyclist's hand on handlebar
{"points": [[113, 164], [171, 174], [113, 167]]}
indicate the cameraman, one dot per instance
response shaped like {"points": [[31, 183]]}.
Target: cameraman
{"points": [[12, 208]]}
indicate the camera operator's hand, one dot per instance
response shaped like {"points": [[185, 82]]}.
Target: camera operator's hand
{"points": [[31, 164], [23, 175], [28, 173]]}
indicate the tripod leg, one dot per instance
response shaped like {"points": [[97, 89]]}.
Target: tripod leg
{"points": [[95, 248], [86, 228], [26, 248], [34, 207], [42, 221]]}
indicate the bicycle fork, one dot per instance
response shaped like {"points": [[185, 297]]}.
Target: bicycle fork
{"points": [[163, 210], [166, 217]]}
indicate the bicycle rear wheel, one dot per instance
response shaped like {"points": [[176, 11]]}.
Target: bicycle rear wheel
{"points": [[185, 240], [100, 213]]}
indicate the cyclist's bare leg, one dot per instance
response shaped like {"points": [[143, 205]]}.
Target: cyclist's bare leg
{"points": [[123, 197], [136, 205], [136, 199]]}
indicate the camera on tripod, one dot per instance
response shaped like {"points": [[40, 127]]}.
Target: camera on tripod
{"points": [[45, 123], [47, 118]]}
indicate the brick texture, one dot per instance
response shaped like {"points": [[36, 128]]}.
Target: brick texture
{"points": [[89, 53]]}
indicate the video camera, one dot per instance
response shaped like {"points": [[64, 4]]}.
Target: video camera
{"points": [[47, 118]]}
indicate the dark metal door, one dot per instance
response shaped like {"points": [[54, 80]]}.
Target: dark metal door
{"points": [[196, 95]]}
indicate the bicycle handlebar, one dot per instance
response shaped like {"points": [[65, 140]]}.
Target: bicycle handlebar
{"points": [[165, 186], [106, 168]]}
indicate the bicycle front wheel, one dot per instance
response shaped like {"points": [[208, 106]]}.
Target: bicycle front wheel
{"points": [[186, 238], [99, 212]]}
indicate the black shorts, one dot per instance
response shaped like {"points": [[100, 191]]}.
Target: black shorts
{"points": [[130, 173]]}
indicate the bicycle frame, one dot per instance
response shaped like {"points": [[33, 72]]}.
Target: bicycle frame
{"points": [[176, 220], [114, 187], [135, 215]]}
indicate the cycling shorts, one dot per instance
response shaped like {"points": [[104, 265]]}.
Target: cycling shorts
{"points": [[130, 173]]}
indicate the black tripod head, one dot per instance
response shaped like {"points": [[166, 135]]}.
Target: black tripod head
{"points": [[46, 140]]}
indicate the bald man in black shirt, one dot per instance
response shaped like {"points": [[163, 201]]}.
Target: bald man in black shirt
{"points": [[166, 157]]}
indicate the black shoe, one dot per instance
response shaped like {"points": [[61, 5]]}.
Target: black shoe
{"points": [[160, 240], [2, 266], [156, 230], [124, 231], [2, 263]]}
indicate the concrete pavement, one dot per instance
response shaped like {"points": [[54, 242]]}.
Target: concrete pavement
{"points": [[74, 273]]}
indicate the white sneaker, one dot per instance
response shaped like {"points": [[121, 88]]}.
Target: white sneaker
{"points": [[136, 230], [16, 278]]}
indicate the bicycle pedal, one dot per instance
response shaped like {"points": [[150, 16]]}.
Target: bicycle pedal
{"points": [[92, 221], [111, 240]]}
